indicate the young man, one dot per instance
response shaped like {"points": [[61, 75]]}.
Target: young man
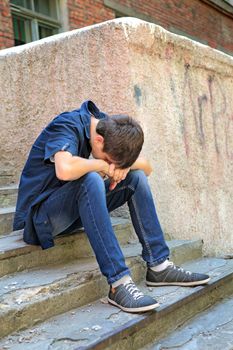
{"points": [[61, 189]]}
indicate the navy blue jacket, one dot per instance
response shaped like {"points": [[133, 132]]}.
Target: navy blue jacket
{"points": [[69, 131]]}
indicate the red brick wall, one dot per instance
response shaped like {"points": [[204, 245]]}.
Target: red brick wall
{"points": [[86, 12], [192, 17], [6, 30]]}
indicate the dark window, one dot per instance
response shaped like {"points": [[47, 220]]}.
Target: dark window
{"points": [[34, 19]]}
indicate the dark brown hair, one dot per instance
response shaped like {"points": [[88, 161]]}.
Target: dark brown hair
{"points": [[123, 139]]}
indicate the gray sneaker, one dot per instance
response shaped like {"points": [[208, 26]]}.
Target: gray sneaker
{"points": [[175, 276], [130, 299]]}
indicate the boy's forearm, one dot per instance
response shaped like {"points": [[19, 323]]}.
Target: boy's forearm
{"points": [[142, 164], [70, 168], [80, 166]]}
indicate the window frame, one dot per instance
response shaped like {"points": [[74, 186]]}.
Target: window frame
{"points": [[37, 18], [230, 2]]}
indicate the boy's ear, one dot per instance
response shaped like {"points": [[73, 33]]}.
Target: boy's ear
{"points": [[99, 139]]}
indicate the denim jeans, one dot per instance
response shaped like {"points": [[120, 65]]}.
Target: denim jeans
{"points": [[87, 202]]}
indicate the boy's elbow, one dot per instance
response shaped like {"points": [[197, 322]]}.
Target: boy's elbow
{"points": [[62, 173], [149, 169], [148, 172]]}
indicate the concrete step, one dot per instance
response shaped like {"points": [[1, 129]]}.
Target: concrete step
{"points": [[16, 255], [8, 195], [6, 179], [33, 296], [210, 330], [6, 219], [99, 325]]}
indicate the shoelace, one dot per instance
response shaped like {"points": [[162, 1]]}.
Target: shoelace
{"points": [[133, 290], [170, 263]]}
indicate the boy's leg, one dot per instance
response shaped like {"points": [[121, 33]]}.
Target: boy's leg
{"points": [[83, 202], [136, 191]]}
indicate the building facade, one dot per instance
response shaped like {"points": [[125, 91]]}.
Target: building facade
{"points": [[207, 21]]}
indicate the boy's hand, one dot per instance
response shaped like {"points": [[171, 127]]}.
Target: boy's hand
{"points": [[117, 177], [105, 168], [120, 174]]}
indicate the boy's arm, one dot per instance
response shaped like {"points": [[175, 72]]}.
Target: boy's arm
{"points": [[70, 167], [120, 174], [142, 164]]}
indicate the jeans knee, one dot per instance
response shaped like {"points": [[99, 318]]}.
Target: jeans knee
{"points": [[93, 181], [137, 176]]}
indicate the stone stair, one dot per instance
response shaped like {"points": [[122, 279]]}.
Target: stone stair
{"points": [[8, 195], [209, 330], [56, 298]]}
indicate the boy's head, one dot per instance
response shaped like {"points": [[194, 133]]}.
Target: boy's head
{"points": [[122, 139]]}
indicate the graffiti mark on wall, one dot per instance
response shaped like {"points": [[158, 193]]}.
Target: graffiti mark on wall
{"points": [[229, 138], [217, 112], [202, 100], [195, 105]]}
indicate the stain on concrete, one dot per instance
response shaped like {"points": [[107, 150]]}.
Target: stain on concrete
{"points": [[138, 95], [199, 122]]}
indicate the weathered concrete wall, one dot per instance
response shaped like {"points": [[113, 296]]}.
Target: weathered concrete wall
{"points": [[181, 91]]}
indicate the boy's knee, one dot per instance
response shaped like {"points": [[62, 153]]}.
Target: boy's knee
{"points": [[93, 180], [137, 175], [137, 178]]}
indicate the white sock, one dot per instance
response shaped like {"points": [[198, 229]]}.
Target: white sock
{"points": [[122, 280], [160, 267]]}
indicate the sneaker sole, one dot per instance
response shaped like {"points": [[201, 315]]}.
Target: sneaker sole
{"points": [[134, 310], [184, 284]]}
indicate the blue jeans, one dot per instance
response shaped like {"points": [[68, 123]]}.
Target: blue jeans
{"points": [[87, 202]]}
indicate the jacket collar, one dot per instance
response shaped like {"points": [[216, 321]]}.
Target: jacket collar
{"points": [[87, 109]]}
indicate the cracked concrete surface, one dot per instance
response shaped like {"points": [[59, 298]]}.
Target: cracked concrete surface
{"points": [[86, 325], [78, 327], [16, 255], [212, 330], [20, 288], [23, 287], [79, 283]]}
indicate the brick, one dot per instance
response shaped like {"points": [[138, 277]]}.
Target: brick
{"points": [[6, 30], [193, 17]]}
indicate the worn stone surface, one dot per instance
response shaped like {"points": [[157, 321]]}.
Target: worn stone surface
{"points": [[213, 329], [8, 196], [59, 287], [16, 255], [33, 297], [6, 219], [180, 91], [92, 323], [180, 252]]}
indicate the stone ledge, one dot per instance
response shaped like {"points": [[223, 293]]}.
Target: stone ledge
{"points": [[16, 255], [58, 288], [8, 195], [212, 329], [100, 326]]}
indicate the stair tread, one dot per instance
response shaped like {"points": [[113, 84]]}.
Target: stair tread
{"points": [[58, 287], [8, 198], [13, 187], [46, 275], [13, 242], [7, 210], [87, 326], [7, 189], [30, 278], [212, 329]]}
